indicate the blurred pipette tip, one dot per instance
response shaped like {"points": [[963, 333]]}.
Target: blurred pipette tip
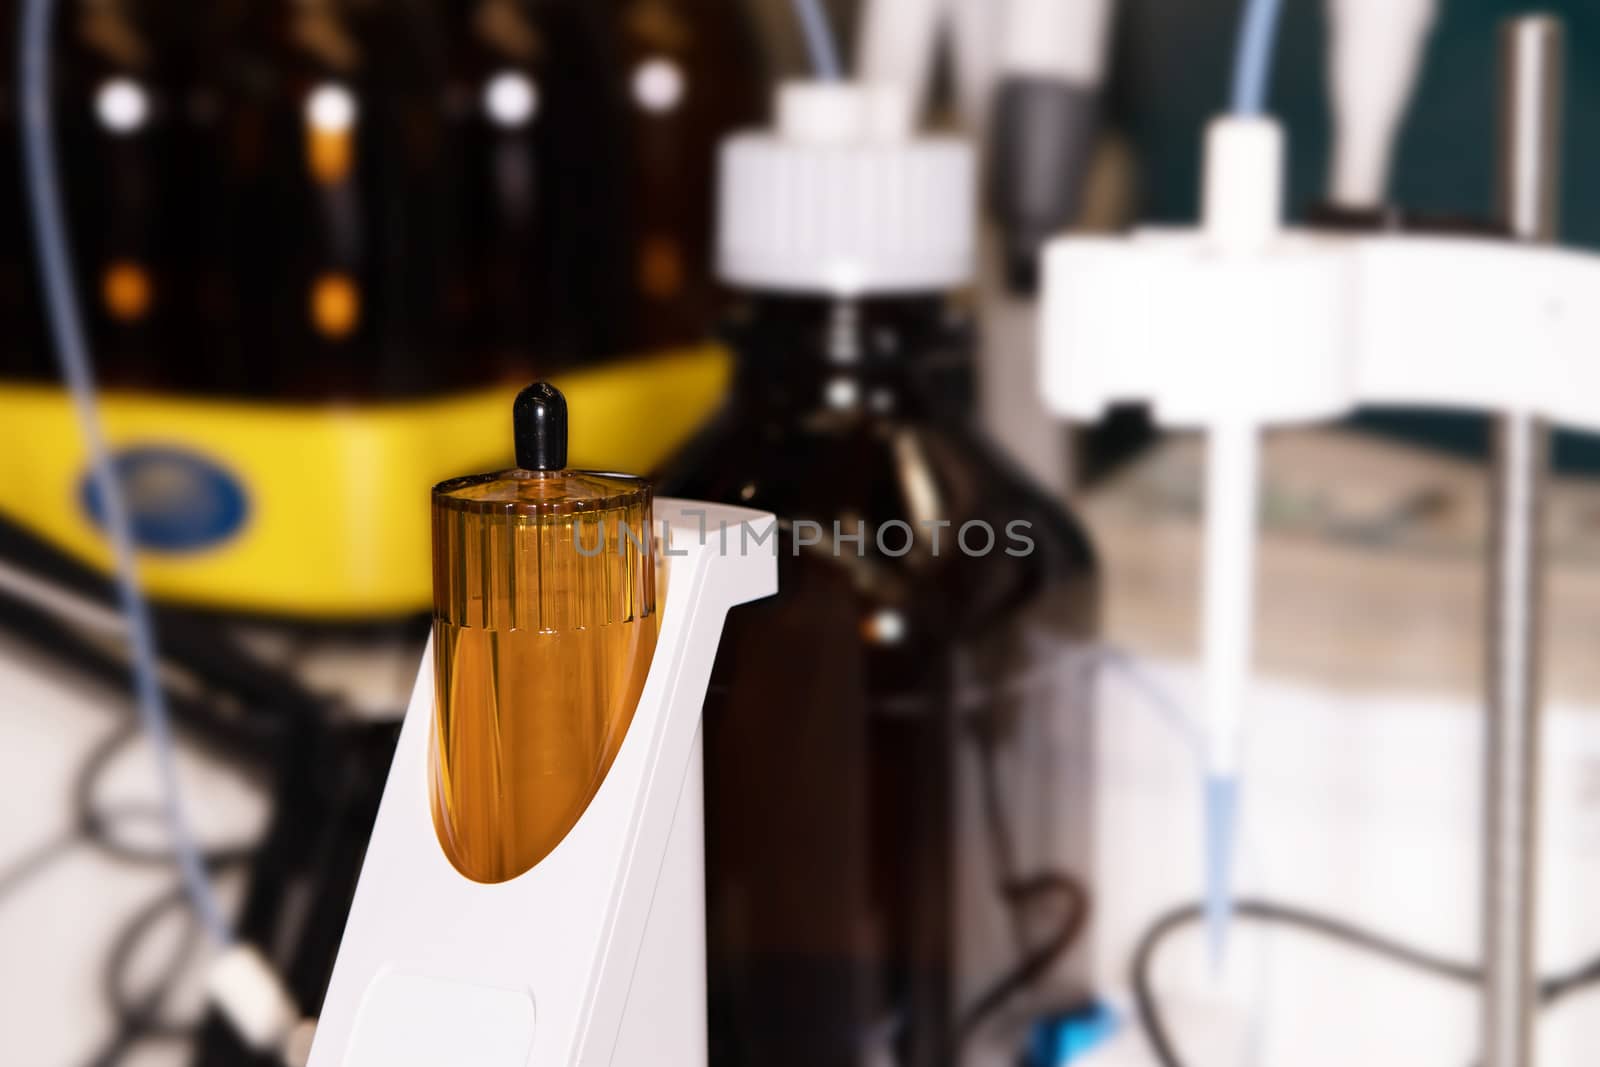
{"points": [[1221, 813]]}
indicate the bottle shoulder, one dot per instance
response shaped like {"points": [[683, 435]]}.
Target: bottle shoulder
{"points": [[942, 492]]}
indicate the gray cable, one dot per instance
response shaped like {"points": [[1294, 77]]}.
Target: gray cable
{"points": [[1252, 70], [42, 174], [821, 43]]}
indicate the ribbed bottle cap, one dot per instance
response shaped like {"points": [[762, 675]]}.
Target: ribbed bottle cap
{"points": [[843, 198]]}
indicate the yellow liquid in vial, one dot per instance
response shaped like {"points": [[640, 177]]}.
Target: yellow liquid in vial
{"points": [[540, 655]]}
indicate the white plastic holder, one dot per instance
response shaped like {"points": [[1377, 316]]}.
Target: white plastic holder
{"points": [[1315, 325], [1241, 325], [597, 954]]}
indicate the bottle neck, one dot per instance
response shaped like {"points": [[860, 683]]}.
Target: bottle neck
{"points": [[838, 353]]}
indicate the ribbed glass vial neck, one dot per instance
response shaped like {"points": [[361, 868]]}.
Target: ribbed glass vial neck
{"points": [[541, 493], [546, 551]]}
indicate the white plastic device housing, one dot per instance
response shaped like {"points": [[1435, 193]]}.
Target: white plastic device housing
{"points": [[597, 954], [1313, 325]]}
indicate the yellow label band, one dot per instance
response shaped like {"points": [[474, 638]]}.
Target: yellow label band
{"points": [[315, 510]]}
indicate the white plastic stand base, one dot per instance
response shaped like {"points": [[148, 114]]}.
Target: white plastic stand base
{"points": [[596, 955]]}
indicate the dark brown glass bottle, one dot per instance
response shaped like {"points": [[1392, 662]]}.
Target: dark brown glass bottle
{"points": [[24, 348], [927, 594], [497, 102], [689, 73], [115, 122], [540, 177], [221, 338]]}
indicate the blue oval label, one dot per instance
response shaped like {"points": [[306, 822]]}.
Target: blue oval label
{"points": [[177, 501]]}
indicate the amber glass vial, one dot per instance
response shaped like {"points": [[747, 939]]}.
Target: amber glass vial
{"points": [[544, 625]]}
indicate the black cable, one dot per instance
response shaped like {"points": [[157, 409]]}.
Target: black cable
{"points": [[1019, 893], [92, 826], [1036, 961], [137, 1015], [1551, 990], [219, 693], [138, 1012], [95, 823], [142, 1008], [1002, 849], [208, 692], [42, 856], [36, 860], [138, 1018], [116, 1049]]}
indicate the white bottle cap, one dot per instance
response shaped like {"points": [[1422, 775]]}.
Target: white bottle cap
{"points": [[1242, 196], [842, 198]]}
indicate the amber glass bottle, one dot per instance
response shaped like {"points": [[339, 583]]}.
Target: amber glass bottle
{"points": [[24, 346], [928, 599], [544, 625], [690, 74], [118, 131]]}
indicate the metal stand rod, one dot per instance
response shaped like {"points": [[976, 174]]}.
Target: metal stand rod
{"points": [[1531, 72]]}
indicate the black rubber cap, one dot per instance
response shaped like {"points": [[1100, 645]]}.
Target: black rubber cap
{"points": [[539, 421]]}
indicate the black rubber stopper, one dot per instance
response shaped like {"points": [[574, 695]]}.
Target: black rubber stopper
{"points": [[539, 421]]}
